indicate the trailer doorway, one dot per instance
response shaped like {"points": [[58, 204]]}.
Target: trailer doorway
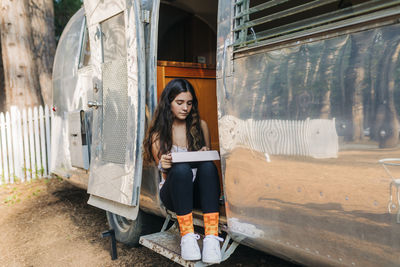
{"points": [[187, 41]]}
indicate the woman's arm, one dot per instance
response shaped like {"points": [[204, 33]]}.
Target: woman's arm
{"points": [[166, 159], [206, 135]]}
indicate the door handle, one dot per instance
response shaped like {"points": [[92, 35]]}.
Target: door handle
{"points": [[93, 104]]}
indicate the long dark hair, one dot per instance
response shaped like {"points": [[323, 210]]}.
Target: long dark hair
{"points": [[161, 125]]}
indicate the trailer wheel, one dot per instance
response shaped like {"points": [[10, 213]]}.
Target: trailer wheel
{"points": [[128, 231]]}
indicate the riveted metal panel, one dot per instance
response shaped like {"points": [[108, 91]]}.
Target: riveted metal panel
{"points": [[115, 111], [118, 122]]}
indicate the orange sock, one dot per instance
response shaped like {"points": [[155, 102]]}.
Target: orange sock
{"points": [[185, 224], [211, 223]]}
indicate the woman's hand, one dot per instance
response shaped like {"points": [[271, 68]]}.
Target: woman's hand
{"points": [[204, 148], [166, 161]]}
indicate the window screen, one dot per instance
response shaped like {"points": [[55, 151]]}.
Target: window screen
{"points": [[260, 20]]}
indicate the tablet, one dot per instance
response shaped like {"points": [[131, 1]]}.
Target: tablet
{"points": [[193, 156]]}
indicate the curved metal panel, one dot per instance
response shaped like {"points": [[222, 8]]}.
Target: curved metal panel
{"points": [[68, 94], [302, 129]]}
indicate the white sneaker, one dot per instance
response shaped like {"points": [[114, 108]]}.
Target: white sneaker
{"points": [[190, 250], [211, 249]]}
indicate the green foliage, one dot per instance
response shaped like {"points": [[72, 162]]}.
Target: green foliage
{"points": [[63, 11], [14, 197]]}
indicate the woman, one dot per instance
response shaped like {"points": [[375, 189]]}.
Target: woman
{"points": [[177, 127]]}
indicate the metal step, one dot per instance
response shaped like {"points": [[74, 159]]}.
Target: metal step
{"points": [[167, 243]]}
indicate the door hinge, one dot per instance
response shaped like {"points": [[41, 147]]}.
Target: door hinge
{"points": [[146, 16]]}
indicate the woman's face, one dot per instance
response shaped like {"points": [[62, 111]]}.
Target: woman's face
{"points": [[182, 105]]}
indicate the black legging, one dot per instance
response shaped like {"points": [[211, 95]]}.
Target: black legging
{"points": [[180, 194]]}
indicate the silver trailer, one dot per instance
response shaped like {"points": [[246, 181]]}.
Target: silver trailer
{"points": [[304, 113]]}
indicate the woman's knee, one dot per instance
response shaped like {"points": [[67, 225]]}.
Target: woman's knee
{"points": [[181, 171], [207, 166]]}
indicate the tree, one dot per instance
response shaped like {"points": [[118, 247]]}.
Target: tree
{"points": [[64, 10], [27, 52], [2, 93], [21, 84], [357, 82], [44, 45]]}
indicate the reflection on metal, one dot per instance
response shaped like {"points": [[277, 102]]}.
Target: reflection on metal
{"points": [[317, 211], [394, 183], [245, 229], [315, 138], [113, 38], [68, 93]]}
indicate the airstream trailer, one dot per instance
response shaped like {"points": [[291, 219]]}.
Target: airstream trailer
{"points": [[301, 100]]}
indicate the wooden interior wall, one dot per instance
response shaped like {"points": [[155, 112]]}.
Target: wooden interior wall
{"points": [[203, 79]]}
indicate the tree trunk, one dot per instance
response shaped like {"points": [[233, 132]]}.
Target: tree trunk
{"points": [[379, 51], [333, 49], [391, 125], [356, 82], [2, 93], [21, 82], [42, 14]]}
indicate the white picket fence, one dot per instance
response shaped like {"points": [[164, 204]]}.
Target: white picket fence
{"points": [[24, 144]]}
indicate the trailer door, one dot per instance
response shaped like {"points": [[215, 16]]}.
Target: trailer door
{"points": [[117, 47]]}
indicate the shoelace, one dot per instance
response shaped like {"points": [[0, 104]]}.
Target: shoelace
{"points": [[195, 236], [215, 249], [220, 239]]}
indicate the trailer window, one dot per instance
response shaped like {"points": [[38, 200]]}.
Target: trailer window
{"points": [[113, 38], [259, 22], [84, 57]]}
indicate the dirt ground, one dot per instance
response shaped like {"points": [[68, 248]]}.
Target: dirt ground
{"points": [[48, 223]]}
